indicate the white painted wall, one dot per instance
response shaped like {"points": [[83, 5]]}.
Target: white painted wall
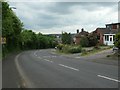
{"points": [[108, 42]]}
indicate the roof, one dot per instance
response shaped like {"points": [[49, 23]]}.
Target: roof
{"points": [[113, 24], [107, 31], [81, 33]]}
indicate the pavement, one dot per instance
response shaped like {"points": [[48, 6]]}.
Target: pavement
{"points": [[46, 69], [10, 75]]}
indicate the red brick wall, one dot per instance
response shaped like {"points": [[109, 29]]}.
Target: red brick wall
{"points": [[101, 36], [77, 41]]}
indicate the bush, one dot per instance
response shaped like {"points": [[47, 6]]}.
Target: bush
{"points": [[70, 48], [76, 49], [84, 41], [60, 46]]}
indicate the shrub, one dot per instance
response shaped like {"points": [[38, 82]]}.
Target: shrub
{"points": [[84, 41], [71, 49], [76, 49], [60, 46]]}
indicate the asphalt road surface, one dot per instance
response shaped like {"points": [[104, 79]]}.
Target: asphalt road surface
{"points": [[44, 69]]}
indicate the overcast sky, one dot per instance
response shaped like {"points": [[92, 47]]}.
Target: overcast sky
{"points": [[55, 17]]}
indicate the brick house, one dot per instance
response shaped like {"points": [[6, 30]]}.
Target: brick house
{"points": [[106, 35], [77, 37]]}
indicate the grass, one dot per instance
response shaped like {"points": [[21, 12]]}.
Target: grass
{"points": [[94, 51], [7, 53], [115, 55], [69, 49]]}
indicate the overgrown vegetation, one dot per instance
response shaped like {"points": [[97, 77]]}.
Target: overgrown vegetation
{"points": [[94, 50], [117, 40], [66, 38], [88, 41], [17, 37], [69, 48]]}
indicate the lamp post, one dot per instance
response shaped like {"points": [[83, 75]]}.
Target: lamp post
{"points": [[12, 7]]}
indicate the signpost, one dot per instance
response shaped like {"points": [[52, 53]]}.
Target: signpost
{"points": [[3, 40]]}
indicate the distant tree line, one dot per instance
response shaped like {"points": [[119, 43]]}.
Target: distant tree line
{"points": [[17, 37], [30, 40]]}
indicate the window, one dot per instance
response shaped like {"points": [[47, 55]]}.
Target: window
{"points": [[110, 38], [106, 37]]}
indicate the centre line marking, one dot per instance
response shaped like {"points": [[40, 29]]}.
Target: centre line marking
{"points": [[48, 60], [39, 57], [108, 78], [35, 53], [69, 67]]}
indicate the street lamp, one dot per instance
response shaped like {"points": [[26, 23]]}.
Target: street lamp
{"points": [[13, 7]]}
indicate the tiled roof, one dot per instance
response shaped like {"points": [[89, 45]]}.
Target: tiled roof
{"points": [[107, 31], [81, 33]]}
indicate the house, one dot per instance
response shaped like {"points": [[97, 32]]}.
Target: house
{"points": [[106, 35], [77, 37]]}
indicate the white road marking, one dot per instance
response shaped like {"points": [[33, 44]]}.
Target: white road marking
{"points": [[69, 67], [23, 76], [35, 53], [49, 56], [39, 57], [54, 56], [48, 60], [108, 78], [77, 57]]}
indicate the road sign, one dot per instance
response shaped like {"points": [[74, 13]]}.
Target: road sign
{"points": [[3, 40]]}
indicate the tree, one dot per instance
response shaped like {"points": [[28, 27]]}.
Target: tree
{"points": [[28, 39], [84, 41], [66, 38], [117, 40], [92, 40], [11, 27]]}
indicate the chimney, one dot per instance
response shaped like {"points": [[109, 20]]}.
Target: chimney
{"points": [[82, 30], [77, 30]]}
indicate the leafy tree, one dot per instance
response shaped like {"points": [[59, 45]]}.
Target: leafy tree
{"points": [[92, 40], [66, 38], [30, 40], [11, 28], [84, 41], [27, 39], [117, 40], [17, 37]]}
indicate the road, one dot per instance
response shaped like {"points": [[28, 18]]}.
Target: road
{"points": [[45, 69]]}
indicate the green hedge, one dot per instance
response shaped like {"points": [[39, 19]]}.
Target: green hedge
{"points": [[69, 48]]}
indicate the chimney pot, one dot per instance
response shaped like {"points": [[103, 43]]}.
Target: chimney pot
{"points": [[77, 30]]}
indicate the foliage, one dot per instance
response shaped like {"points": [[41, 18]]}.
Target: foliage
{"points": [[11, 28], [75, 49], [66, 38], [18, 38], [117, 40], [30, 40], [60, 46], [69, 48], [84, 41], [92, 40], [88, 41]]}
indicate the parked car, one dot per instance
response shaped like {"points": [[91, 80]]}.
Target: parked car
{"points": [[115, 49]]}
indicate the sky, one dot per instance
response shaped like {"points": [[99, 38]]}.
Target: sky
{"points": [[55, 17]]}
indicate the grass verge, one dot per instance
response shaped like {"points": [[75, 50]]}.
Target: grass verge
{"points": [[94, 51]]}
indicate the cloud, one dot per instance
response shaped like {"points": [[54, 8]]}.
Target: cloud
{"points": [[54, 17]]}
